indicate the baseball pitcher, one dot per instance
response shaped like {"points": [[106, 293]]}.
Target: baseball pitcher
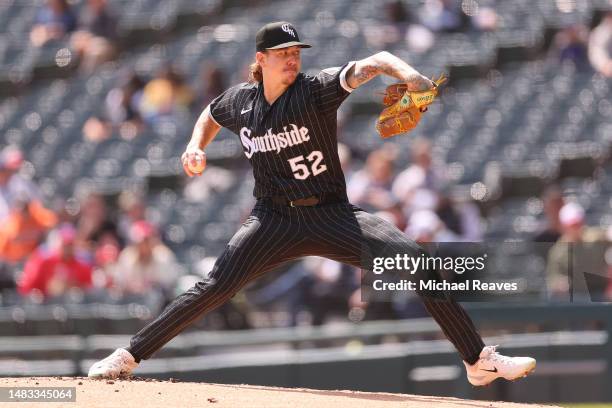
{"points": [[286, 122]]}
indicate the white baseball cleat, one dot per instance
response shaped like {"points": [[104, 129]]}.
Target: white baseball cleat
{"points": [[120, 363], [492, 365]]}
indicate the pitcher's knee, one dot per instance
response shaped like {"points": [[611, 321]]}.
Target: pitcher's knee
{"points": [[215, 288]]}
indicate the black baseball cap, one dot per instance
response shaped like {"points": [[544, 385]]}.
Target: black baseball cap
{"points": [[280, 34]]}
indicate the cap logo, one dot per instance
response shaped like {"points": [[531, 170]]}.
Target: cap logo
{"points": [[288, 29]]}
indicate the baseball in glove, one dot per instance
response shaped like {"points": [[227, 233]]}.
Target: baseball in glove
{"points": [[404, 108]]}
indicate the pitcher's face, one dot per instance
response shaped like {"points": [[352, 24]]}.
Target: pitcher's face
{"points": [[284, 63]]}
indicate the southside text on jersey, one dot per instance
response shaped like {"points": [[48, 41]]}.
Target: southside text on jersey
{"points": [[273, 142]]}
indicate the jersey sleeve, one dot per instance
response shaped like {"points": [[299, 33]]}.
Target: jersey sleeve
{"points": [[223, 108], [331, 88]]}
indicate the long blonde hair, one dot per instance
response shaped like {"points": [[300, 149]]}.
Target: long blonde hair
{"points": [[255, 72]]}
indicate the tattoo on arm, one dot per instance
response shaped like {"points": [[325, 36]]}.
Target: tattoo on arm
{"points": [[388, 64], [417, 82], [366, 73], [360, 73]]}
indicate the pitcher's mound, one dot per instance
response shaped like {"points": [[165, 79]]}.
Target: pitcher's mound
{"points": [[147, 393]]}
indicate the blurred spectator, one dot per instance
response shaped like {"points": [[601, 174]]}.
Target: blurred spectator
{"points": [[23, 220], [105, 260], [95, 129], [425, 226], [212, 84], [121, 111], [24, 229], [12, 185], [382, 36], [371, 186], [443, 15], [54, 20], [95, 221], [103, 250], [145, 265], [325, 290], [7, 277], [472, 222], [219, 180], [399, 16], [122, 102], [552, 201], [66, 209], [95, 39], [570, 44], [579, 252], [600, 46], [461, 217], [485, 19], [316, 285], [55, 270], [417, 37], [419, 183], [164, 95], [397, 12], [448, 214], [133, 208]]}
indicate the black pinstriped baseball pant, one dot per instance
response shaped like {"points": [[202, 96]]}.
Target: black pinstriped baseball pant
{"points": [[274, 234]]}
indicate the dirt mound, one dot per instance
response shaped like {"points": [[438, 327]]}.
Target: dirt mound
{"points": [[149, 393]]}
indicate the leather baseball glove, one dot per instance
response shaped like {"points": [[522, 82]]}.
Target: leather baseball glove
{"points": [[404, 108]]}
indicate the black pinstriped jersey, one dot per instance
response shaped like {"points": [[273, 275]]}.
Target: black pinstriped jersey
{"points": [[291, 144]]}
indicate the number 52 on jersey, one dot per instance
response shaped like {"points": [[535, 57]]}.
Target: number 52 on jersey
{"points": [[312, 166]]}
